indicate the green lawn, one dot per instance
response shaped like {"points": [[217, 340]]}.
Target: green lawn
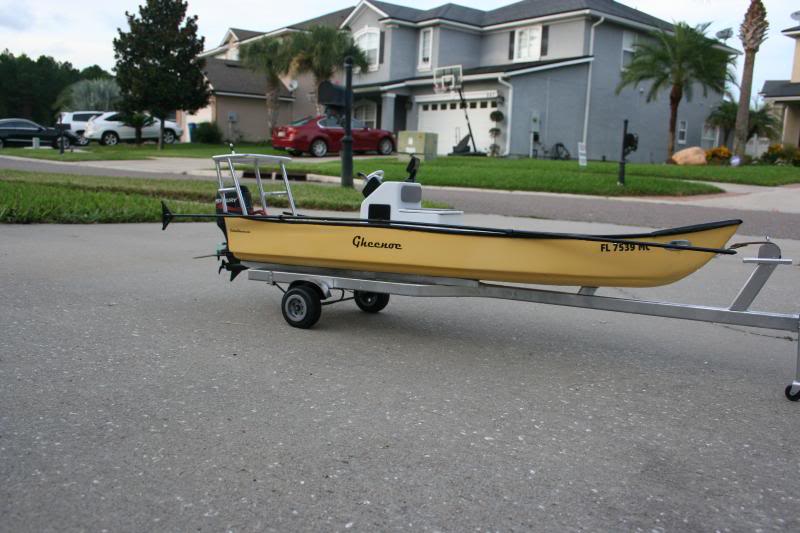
{"points": [[32, 197], [523, 175], [95, 152]]}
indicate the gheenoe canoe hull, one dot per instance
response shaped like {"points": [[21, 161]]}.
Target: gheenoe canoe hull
{"points": [[471, 255]]}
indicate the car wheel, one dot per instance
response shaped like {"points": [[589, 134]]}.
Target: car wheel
{"points": [[82, 140], [386, 146], [109, 138], [169, 137], [319, 148], [57, 143]]}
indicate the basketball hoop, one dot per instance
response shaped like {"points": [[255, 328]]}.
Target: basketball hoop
{"points": [[447, 79]]}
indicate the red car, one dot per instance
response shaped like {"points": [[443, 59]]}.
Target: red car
{"points": [[323, 134]]}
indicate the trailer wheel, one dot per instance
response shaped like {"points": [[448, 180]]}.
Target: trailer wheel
{"points": [[793, 397], [301, 307], [370, 302]]}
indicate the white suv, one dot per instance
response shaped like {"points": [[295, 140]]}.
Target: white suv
{"points": [[109, 129], [77, 121]]}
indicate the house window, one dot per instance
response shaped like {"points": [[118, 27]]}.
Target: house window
{"points": [[528, 44], [369, 39], [683, 127], [709, 136], [425, 48], [628, 47], [425, 107], [366, 112]]}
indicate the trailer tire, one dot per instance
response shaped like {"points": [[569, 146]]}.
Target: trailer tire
{"points": [[301, 306], [370, 302], [792, 397]]}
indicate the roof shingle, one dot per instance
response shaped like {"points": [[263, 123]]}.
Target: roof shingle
{"points": [[780, 89], [232, 77]]}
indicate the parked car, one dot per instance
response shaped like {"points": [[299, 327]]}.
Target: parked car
{"points": [[77, 121], [323, 134], [109, 129], [21, 132]]}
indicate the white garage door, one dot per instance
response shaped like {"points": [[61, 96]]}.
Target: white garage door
{"points": [[446, 119]]}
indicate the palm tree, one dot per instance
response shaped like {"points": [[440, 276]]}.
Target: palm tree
{"points": [[762, 121], [322, 51], [724, 117], [676, 61], [752, 32], [272, 57]]}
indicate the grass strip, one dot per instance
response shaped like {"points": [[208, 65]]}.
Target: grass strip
{"points": [[521, 175], [96, 152], [34, 197]]}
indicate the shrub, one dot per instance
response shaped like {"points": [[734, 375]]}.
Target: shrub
{"points": [[719, 155], [494, 132], [779, 154], [208, 133], [497, 116]]}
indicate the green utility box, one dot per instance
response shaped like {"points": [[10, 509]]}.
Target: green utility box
{"points": [[419, 143]]}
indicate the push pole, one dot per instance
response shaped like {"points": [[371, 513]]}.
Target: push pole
{"points": [[621, 179], [347, 140]]}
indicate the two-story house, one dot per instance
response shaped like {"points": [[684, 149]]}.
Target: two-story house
{"points": [[785, 94], [551, 67]]}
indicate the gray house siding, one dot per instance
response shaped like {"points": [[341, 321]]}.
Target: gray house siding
{"points": [[454, 47], [566, 39], [557, 97], [400, 56], [648, 120], [369, 18]]}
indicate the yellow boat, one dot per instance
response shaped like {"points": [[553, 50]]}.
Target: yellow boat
{"points": [[394, 234], [479, 254]]}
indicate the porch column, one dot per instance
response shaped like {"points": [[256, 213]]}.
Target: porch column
{"points": [[387, 111]]}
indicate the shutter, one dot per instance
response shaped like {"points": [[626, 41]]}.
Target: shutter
{"points": [[380, 47], [545, 39], [511, 39]]}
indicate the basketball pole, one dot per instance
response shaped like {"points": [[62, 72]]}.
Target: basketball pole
{"points": [[466, 115]]}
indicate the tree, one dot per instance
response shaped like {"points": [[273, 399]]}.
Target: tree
{"points": [[95, 72], [322, 51], [273, 57], [762, 121], [137, 121], [752, 32], [677, 61], [29, 88], [724, 117], [100, 94], [158, 68]]}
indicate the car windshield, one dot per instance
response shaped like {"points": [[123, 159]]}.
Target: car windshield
{"points": [[302, 122]]}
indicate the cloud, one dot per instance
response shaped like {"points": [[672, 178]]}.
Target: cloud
{"points": [[15, 17]]}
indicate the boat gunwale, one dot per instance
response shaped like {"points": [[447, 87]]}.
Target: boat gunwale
{"points": [[479, 230]]}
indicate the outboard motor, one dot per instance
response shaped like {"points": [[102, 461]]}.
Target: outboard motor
{"points": [[234, 207]]}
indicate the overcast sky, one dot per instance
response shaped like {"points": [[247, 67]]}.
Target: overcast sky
{"points": [[81, 31]]}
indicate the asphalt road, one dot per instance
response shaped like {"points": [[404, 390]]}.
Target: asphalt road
{"points": [[140, 391], [561, 207]]}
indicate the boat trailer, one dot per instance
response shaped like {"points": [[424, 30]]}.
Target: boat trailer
{"points": [[309, 289]]}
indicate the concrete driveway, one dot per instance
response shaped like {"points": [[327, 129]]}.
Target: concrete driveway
{"points": [[141, 391]]}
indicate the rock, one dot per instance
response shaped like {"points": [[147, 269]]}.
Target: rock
{"points": [[690, 156]]}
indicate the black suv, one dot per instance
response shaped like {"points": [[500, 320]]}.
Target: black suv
{"points": [[18, 131]]}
